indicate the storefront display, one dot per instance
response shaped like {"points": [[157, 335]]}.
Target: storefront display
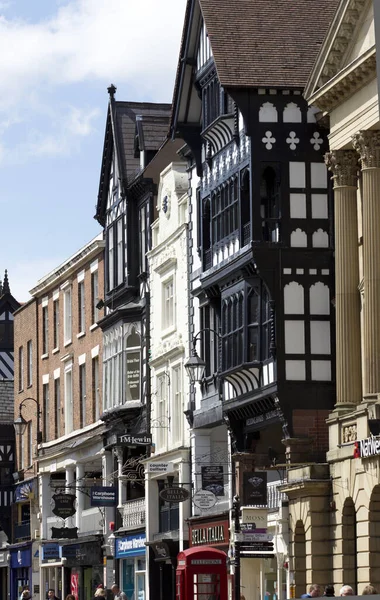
{"points": [[130, 552], [83, 568], [21, 568]]}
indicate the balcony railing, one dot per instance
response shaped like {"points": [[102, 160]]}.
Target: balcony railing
{"points": [[133, 513], [21, 531], [274, 496]]}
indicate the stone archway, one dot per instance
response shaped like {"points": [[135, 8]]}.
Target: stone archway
{"points": [[374, 537], [300, 559], [349, 545]]}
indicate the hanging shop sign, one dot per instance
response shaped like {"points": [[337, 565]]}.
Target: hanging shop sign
{"points": [[367, 448], [255, 489], [204, 499], [64, 505], [173, 495], [213, 479], [215, 533], [70, 533], [254, 518], [128, 439], [103, 495]]}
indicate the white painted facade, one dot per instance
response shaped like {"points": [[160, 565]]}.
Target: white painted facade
{"points": [[168, 282]]}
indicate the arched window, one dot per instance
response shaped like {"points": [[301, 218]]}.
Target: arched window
{"points": [[270, 205]]}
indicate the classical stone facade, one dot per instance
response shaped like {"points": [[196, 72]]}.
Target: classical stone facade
{"points": [[334, 513]]}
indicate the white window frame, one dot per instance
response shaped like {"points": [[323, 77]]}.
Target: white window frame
{"points": [[67, 316], [56, 323], [68, 398], [29, 367], [21, 368], [176, 412], [57, 407], [81, 308], [111, 257], [168, 303], [95, 387], [82, 393], [120, 251], [45, 330], [162, 411], [94, 296], [45, 410]]}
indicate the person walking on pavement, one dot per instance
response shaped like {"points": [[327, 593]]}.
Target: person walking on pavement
{"points": [[347, 590], [118, 594], [314, 591], [329, 591]]}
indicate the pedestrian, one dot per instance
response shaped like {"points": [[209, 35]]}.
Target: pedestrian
{"points": [[70, 597], [314, 591], [51, 594], [25, 593], [347, 590], [329, 591], [100, 593], [369, 589], [117, 593]]}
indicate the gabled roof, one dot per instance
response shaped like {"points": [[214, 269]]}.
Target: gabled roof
{"points": [[256, 43], [124, 121], [346, 59]]}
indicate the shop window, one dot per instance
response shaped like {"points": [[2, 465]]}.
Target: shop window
{"points": [[270, 205]]}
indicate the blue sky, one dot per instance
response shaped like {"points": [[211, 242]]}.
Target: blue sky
{"points": [[57, 58]]}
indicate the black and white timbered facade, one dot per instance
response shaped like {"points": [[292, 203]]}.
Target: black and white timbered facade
{"points": [[128, 186], [262, 244]]}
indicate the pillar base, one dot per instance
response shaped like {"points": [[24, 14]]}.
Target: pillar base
{"points": [[298, 450], [342, 408], [369, 399]]}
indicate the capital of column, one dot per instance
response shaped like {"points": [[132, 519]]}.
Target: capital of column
{"points": [[343, 164], [367, 144]]}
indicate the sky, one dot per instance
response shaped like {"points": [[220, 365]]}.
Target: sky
{"points": [[57, 58]]}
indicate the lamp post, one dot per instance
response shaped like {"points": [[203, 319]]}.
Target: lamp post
{"points": [[21, 424], [236, 517], [196, 366]]}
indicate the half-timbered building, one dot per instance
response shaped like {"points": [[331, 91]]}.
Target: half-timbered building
{"points": [[130, 171], [262, 243]]}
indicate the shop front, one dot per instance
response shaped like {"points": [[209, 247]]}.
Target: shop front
{"points": [[211, 532], [21, 568], [51, 569], [82, 568], [130, 554], [4, 582]]}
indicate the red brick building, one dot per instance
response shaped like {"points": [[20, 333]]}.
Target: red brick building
{"points": [[58, 383]]}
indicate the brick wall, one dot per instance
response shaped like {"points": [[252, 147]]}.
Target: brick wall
{"points": [[46, 366], [6, 401], [312, 424]]}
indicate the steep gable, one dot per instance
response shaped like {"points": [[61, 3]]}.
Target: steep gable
{"points": [[121, 134]]}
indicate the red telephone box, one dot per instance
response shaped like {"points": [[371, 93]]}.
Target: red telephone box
{"points": [[201, 574]]}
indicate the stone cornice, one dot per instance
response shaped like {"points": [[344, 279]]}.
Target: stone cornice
{"points": [[344, 84], [336, 44]]}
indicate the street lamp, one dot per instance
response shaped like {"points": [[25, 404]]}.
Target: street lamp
{"points": [[20, 424], [196, 366]]}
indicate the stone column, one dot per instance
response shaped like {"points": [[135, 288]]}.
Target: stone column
{"points": [[120, 477], [70, 479], [344, 166], [79, 485], [367, 143]]}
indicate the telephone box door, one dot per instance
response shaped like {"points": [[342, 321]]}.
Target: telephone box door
{"points": [[201, 574]]}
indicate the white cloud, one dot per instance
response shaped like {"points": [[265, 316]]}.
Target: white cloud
{"points": [[119, 41], [116, 40]]}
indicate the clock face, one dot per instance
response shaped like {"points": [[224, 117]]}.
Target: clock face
{"points": [[165, 204]]}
